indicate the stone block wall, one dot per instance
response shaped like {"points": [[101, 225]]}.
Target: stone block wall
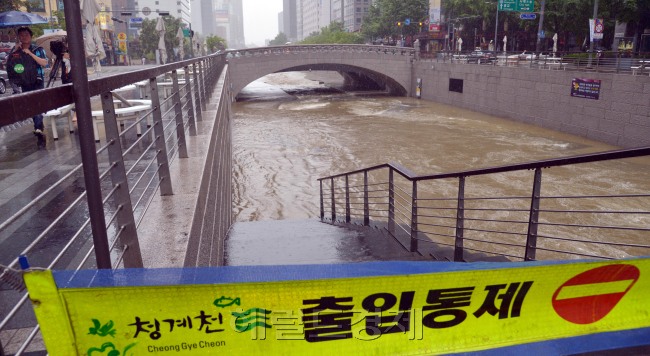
{"points": [[620, 116]]}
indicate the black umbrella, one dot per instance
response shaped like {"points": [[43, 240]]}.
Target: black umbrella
{"points": [[19, 18]]}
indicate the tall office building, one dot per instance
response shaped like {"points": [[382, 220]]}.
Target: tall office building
{"points": [[350, 13], [236, 39], [176, 8], [314, 15], [301, 18], [203, 17], [229, 22], [280, 21], [290, 19]]}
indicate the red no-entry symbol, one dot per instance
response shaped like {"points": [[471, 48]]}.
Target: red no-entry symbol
{"points": [[591, 295]]}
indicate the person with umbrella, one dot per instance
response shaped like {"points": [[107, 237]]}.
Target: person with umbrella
{"points": [[26, 49]]}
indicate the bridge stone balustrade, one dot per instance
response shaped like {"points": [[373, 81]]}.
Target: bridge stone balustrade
{"points": [[362, 66]]}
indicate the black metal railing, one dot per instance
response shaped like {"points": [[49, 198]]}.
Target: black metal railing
{"points": [[139, 139], [609, 62], [500, 212]]}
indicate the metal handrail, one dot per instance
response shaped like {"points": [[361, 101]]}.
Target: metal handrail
{"points": [[609, 61], [482, 221], [121, 154]]}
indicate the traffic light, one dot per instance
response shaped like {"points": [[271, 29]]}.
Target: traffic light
{"points": [[420, 23], [399, 23]]}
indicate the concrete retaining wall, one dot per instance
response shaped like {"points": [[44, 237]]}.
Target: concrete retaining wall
{"points": [[621, 115]]}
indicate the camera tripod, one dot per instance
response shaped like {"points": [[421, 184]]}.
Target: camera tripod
{"points": [[58, 61]]}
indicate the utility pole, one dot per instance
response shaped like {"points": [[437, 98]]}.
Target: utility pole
{"points": [[191, 41], [540, 27], [343, 14], [591, 40], [496, 29]]}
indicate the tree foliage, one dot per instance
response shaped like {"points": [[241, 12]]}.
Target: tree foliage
{"points": [[383, 16], [215, 43], [149, 37], [568, 18], [279, 40], [9, 5], [334, 33]]}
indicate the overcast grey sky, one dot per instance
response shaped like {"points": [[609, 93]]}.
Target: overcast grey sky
{"points": [[261, 20]]}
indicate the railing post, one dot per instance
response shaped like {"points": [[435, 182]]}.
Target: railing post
{"points": [[197, 91], [81, 94], [414, 217], [366, 207], [333, 200], [347, 199], [204, 90], [159, 136], [178, 109], [531, 240], [322, 203], [122, 199], [460, 221], [190, 107], [391, 203]]}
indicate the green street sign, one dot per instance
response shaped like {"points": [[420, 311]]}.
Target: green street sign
{"points": [[517, 5], [526, 5]]}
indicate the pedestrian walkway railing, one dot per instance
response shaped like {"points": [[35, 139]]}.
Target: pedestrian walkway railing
{"points": [[606, 62], [307, 49], [510, 212], [131, 165]]}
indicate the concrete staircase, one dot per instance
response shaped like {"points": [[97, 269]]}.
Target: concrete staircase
{"points": [[284, 242]]}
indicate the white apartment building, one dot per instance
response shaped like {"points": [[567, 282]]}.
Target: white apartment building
{"points": [[149, 9], [315, 14], [350, 12]]}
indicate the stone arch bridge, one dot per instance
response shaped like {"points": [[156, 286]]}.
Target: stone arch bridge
{"points": [[362, 66]]}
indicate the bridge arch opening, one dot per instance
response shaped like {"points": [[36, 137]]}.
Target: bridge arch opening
{"points": [[355, 78]]}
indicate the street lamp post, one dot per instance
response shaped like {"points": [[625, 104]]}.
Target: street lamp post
{"points": [[591, 40], [399, 25], [540, 26], [191, 42], [126, 44], [496, 29]]}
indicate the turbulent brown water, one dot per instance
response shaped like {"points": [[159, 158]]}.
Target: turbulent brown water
{"points": [[283, 143]]}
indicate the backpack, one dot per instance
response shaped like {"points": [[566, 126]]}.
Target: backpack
{"points": [[22, 69]]}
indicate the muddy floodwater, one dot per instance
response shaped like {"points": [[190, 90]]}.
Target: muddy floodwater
{"points": [[289, 131]]}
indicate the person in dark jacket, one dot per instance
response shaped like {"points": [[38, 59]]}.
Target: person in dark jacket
{"points": [[38, 55]]}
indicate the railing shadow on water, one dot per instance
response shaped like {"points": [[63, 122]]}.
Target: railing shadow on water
{"points": [[133, 164], [510, 213]]}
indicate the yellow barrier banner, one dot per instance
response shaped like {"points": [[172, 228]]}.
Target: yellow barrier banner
{"points": [[421, 313]]}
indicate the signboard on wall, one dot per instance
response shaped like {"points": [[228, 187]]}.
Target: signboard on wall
{"points": [[36, 5], [434, 11], [585, 88]]}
